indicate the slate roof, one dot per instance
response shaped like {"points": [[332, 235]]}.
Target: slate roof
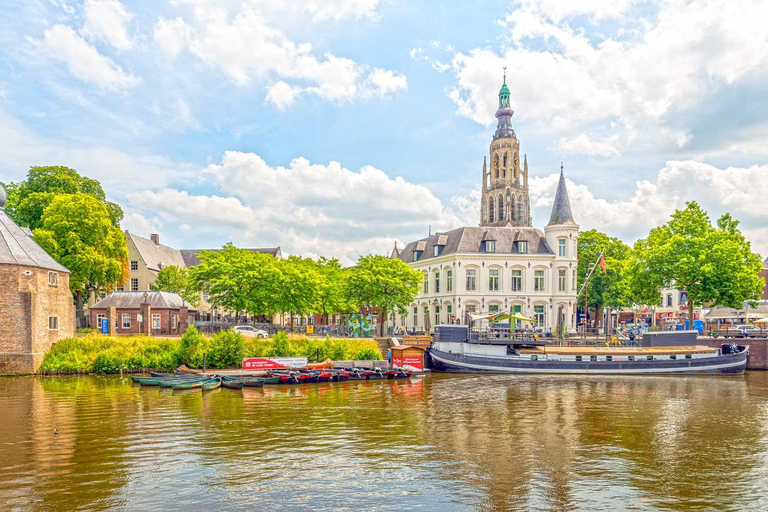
{"points": [[469, 240], [156, 256], [133, 300], [191, 259], [18, 248], [561, 210]]}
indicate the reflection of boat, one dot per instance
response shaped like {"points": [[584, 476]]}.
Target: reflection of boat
{"points": [[458, 350]]}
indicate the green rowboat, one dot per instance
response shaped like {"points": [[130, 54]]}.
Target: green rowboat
{"points": [[211, 384], [189, 384]]}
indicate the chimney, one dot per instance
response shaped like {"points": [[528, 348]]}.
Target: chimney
{"points": [[155, 238]]}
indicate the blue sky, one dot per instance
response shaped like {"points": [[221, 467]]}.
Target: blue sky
{"points": [[338, 127]]}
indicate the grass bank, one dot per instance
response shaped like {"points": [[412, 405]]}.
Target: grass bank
{"points": [[95, 353]]}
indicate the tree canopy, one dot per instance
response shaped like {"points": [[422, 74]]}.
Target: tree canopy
{"points": [[28, 199], [77, 231], [332, 293], [609, 288], [712, 264], [299, 286], [387, 284], [239, 280], [176, 279]]}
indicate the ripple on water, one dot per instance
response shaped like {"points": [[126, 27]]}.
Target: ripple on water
{"points": [[442, 442]]}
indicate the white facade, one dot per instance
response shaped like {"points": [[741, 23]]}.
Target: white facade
{"points": [[504, 265], [456, 285]]}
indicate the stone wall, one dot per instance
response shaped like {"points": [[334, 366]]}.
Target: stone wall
{"points": [[27, 301], [757, 350]]}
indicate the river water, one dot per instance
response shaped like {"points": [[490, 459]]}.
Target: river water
{"points": [[434, 443]]}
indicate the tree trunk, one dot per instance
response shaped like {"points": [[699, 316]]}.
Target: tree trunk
{"points": [[383, 320]]}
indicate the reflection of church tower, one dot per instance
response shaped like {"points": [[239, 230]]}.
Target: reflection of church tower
{"points": [[505, 186]]}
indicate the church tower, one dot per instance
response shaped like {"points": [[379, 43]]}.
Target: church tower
{"points": [[505, 183]]}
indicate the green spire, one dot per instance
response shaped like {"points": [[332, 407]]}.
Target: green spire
{"points": [[504, 92]]}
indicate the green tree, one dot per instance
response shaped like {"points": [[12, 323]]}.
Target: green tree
{"points": [[76, 229], [332, 294], [28, 200], [300, 283], [176, 279], [389, 285], [604, 289], [712, 264], [239, 280]]}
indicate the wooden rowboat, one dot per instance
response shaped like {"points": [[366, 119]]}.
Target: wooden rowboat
{"points": [[189, 384], [232, 384], [211, 384]]}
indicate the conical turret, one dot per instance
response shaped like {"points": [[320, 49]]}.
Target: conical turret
{"points": [[561, 209]]}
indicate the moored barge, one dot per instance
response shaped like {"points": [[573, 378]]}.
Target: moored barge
{"points": [[459, 351]]}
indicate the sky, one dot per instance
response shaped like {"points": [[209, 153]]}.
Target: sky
{"points": [[339, 127]]}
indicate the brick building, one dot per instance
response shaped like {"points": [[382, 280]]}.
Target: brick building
{"points": [[143, 312], [147, 257], [36, 306]]}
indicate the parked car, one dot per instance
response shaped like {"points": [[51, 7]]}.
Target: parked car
{"points": [[744, 331], [250, 332]]}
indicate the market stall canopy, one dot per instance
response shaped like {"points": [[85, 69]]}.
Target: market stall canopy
{"points": [[498, 317], [745, 313]]}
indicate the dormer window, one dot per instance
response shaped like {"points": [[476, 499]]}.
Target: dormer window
{"points": [[522, 246], [437, 250], [490, 246], [417, 255]]}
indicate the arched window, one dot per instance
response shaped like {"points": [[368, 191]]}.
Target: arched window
{"points": [[496, 165], [505, 159], [501, 208], [512, 212], [490, 210]]}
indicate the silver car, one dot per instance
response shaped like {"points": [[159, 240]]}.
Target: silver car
{"points": [[250, 332]]}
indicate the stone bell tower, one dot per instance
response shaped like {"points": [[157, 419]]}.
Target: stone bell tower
{"points": [[505, 185]]}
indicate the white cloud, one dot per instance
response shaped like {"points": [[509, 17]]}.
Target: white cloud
{"points": [[246, 47], [598, 9], [282, 95], [21, 148], [172, 36], [185, 115], [306, 208], [107, 20], [735, 190], [385, 82], [626, 86], [321, 10], [61, 43]]}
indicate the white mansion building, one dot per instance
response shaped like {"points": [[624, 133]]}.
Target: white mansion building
{"points": [[505, 264]]}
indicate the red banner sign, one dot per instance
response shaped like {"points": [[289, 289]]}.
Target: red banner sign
{"points": [[261, 363], [415, 361]]}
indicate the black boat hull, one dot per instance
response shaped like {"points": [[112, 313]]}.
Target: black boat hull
{"points": [[461, 363]]}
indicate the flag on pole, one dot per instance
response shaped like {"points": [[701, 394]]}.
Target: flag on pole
{"points": [[602, 263]]}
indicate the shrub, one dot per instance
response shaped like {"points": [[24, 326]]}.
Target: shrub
{"points": [[226, 350], [112, 360], [192, 347], [86, 331], [367, 354], [280, 345]]}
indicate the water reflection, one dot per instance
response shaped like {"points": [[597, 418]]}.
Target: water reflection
{"points": [[444, 442]]}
